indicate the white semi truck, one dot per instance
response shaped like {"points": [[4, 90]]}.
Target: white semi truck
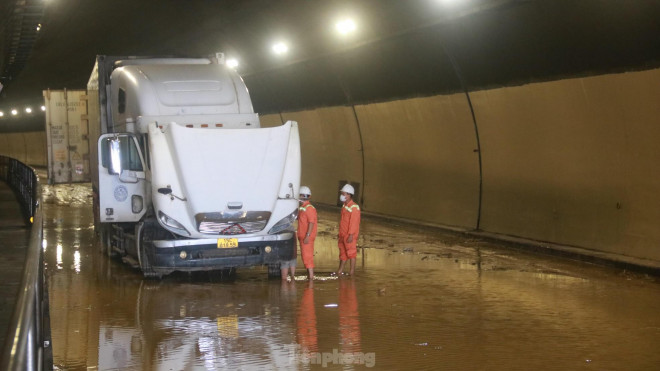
{"points": [[186, 179]]}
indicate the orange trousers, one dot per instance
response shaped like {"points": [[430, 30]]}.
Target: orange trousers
{"points": [[346, 250], [307, 252]]}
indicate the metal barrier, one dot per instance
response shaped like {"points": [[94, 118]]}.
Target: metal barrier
{"points": [[26, 338]]}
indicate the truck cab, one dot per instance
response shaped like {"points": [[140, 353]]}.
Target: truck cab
{"points": [[187, 179]]}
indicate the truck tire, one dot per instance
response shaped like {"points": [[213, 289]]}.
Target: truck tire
{"points": [[102, 240], [144, 235], [106, 240], [274, 270]]}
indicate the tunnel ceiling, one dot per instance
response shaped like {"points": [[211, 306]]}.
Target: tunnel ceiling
{"points": [[400, 48]]}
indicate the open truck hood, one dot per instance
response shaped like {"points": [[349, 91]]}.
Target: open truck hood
{"points": [[220, 173]]}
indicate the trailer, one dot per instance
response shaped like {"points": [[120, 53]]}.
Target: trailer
{"points": [[67, 136]]}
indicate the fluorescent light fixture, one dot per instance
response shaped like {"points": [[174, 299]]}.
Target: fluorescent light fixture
{"points": [[280, 48], [451, 2]]}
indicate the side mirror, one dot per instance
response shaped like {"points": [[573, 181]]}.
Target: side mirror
{"points": [[115, 156]]}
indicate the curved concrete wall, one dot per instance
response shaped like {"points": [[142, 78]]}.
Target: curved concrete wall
{"points": [[574, 162], [28, 147], [570, 162], [331, 149], [420, 161]]}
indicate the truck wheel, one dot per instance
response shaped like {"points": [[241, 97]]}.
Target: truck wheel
{"points": [[146, 267], [144, 234], [102, 240], [106, 240], [274, 270], [228, 273]]}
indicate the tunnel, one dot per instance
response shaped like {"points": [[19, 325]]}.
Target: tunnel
{"points": [[526, 123], [466, 121]]}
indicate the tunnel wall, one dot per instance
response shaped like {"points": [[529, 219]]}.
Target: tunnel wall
{"points": [[330, 144], [574, 162], [27, 147], [571, 162]]}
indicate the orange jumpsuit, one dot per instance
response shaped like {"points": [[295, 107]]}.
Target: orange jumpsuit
{"points": [[306, 215], [349, 224]]}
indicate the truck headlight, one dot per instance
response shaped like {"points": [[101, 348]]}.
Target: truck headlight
{"points": [[165, 219], [284, 223]]}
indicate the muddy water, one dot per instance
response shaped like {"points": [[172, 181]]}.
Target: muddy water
{"points": [[420, 300]]}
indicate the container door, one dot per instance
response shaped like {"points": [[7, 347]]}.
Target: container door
{"points": [[67, 133], [122, 179]]}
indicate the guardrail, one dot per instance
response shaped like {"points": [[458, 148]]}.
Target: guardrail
{"points": [[26, 338]]}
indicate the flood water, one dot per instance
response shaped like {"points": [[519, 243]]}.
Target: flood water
{"points": [[420, 299]]}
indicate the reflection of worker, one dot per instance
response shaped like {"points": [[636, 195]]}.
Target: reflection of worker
{"points": [[289, 266], [306, 322], [307, 223], [349, 318], [349, 228]]}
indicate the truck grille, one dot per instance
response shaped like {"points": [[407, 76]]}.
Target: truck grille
{"points": [[225, 253], [232, 223]]}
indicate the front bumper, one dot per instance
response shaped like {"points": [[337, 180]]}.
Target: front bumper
{"points": [[203, 254]]}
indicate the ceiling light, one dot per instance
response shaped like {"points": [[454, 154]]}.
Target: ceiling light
{"points": [[2, 114], [450, 2], [28, 110], [43, 108], [14, 112], [232, 63], [345, 26], [280, 48]]}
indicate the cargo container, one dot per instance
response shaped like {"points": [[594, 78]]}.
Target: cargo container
{"points": [[67, 136]]}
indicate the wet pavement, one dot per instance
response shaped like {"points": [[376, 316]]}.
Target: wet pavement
{"points": [[420, 299]]}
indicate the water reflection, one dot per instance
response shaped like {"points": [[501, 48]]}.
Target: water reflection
{"points": [[349, 317], [76, 261], [414, 303], [306, 334], [59, 253], [186, 325]]}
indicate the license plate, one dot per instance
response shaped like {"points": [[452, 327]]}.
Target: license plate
{"points": [[224, 243]]}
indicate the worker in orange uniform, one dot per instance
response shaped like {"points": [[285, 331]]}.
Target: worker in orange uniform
{"points": [[349, 228], [307, 224]]}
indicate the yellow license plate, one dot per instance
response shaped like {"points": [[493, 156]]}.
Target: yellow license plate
{"points": [[224, 243]]}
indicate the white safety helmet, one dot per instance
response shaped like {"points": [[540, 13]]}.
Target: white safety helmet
{"points": [[305, 191], [348, 189]]}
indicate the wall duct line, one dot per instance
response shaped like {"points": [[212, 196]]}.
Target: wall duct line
{"points": [[459, 74], [349, 101], [357, 122]]}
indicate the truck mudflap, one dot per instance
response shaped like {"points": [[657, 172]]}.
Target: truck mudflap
{"points": [[200, 255]]}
